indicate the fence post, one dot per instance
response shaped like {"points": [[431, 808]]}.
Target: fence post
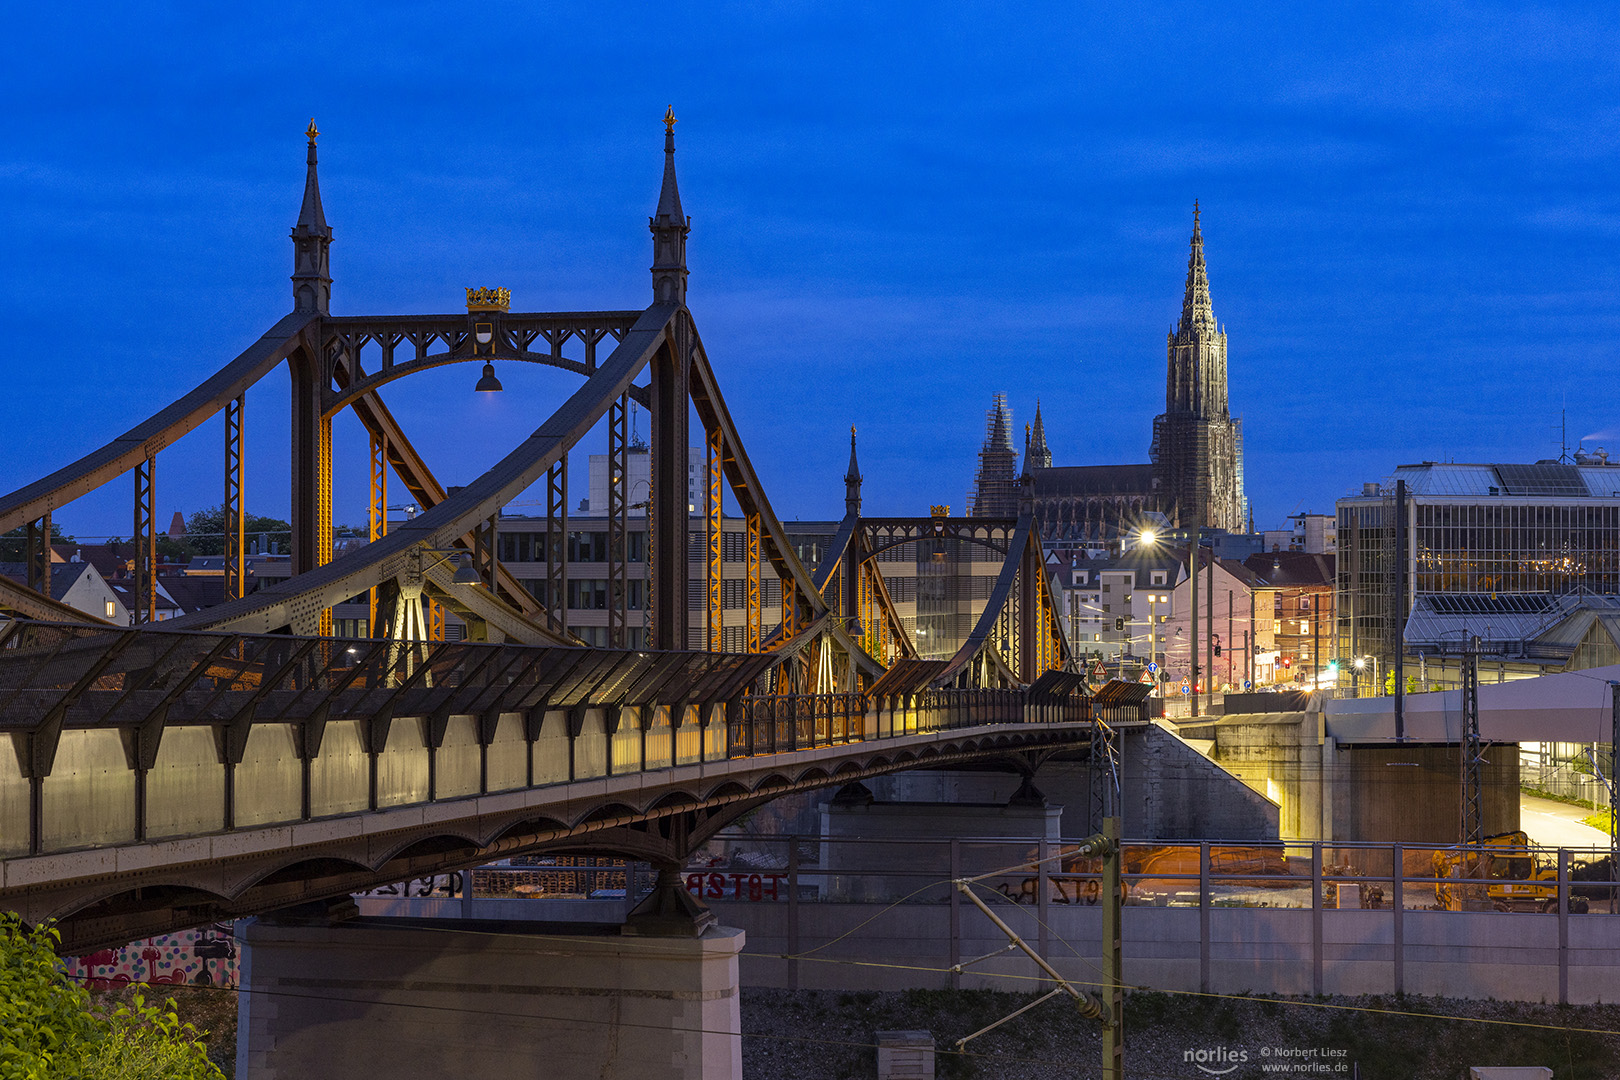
{"points": [[956, 915], [1398, 910], [1203, 917], [1563, 926], [1043, 900], [1316, 918], [793, 913]]}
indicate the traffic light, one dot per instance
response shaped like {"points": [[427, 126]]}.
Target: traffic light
{"points": [[1217, 646], [1119, 623], [1288, 661]]}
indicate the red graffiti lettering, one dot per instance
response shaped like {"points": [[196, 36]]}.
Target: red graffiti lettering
{"points": [[717, 886], [694, 884]]}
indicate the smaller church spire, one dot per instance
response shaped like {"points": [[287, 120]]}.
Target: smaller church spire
{"points": [[312, 240], [670, 227], [1038, 455], [852, 479]]}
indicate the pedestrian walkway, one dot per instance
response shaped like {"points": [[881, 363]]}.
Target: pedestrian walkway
{"points": [[1555, 824]]}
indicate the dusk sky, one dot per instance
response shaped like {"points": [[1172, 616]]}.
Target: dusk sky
{"points": [[897, 210]]}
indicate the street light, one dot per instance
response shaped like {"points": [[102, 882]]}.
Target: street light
{"points": [[489, 384]]}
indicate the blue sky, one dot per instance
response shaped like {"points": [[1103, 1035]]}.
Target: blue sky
{"points": [[897, 210]]}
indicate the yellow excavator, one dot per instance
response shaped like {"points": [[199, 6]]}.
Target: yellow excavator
{"points": [[1517, 878]]}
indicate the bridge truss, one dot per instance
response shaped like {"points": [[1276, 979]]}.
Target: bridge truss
{"points": [[818, 670]]}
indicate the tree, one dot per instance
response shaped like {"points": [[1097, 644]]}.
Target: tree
{"points": [[13, 543], [205, 531], [51, 1030]]}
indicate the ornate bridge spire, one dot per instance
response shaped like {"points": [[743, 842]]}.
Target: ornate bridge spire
{"points": [[852, 479], [312, 241], [669, 228]]}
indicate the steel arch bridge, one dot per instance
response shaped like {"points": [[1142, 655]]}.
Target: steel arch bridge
{"points": [[828, 686]]}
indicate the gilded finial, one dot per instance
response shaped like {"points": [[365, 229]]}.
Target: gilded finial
{"points": [[670, 121], [852, 431], [311, 133]]}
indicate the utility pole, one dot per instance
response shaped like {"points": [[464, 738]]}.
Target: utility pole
{"points": [[1107, 1008], [1400, 611], [1192, 646], [1473, 818], [1209, 638], [1229, 639], [1614, 795], [1113, 1038]]}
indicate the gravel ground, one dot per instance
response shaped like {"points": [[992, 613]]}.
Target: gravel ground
{"points": [[829, 1035]]}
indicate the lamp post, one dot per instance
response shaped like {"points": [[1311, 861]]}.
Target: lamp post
{"points": [[1361, 665]]}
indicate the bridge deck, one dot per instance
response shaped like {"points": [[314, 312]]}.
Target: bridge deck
{"points": [[228, 773]]}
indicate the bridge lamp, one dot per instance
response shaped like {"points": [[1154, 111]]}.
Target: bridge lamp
{"points": [[489, 384], [465, 572], [1149, 536]]}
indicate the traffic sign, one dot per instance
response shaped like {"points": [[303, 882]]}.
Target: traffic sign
{"points": [[1152, 667], [1247, 685], [1185, 689]]}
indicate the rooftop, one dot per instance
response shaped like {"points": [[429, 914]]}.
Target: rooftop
{"points": [[1589, 478]]}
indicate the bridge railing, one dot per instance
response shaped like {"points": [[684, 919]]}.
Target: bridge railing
{"points": [[782, 723]]}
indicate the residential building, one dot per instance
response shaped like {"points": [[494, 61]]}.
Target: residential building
{"points": [[79, 585], [1134, 609], [1302, 588]]}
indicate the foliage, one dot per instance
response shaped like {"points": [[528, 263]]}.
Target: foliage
{"points": [[50, 1030], [14, 543]]}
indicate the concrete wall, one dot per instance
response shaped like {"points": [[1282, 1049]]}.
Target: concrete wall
{"points": [[1376, 792], [1414, 794], [1513, 957], [1169, 791], [411, 999]]}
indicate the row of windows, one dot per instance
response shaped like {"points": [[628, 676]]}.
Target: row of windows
{"points": [[523, 547]]}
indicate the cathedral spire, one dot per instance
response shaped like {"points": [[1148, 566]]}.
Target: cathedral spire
{"points": [[312, 241], [670, 227], [1038, 455], [1196, 306], [852, 479]]}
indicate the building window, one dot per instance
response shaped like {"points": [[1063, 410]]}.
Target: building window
{"points": [[1158, 577], [112, 608], [588, 594]]}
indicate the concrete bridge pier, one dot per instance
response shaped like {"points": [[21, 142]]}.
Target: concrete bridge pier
{"points": [[409, 998]]}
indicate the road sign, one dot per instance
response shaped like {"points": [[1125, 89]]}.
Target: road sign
{"points": [[1247, 685], [1185, 689], [1152, 668]]}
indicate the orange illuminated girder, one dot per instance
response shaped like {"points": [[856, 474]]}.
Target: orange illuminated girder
{"points": [[754, 615], [378, 526], [323, 508], [712, 522]]}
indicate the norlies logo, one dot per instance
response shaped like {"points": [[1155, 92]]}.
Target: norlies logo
{"points": [[1208, 1060]]}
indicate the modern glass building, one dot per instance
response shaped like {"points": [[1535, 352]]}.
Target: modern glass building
{"points": [[1515, 555]]}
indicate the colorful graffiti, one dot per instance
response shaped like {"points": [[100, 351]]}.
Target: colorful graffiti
{"points": [[203, 957]]}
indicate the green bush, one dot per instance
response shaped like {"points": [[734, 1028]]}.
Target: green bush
{"points": [[51, 1030]]}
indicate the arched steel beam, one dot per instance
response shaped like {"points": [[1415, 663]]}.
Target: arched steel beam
{"points": [[297, 603], [372, 381], [159, 430]]}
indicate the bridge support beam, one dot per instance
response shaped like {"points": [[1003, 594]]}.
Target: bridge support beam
{"points": [[390, 997], [666, 550]]}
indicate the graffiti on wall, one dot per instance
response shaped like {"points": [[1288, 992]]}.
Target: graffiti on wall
{"points": [[202, 957]]}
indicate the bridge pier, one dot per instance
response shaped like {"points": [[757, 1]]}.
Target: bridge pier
{"points": [[429, 998]]}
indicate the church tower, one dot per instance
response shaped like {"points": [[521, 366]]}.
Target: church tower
{"points": [[996, 487], [1197, 444]]}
